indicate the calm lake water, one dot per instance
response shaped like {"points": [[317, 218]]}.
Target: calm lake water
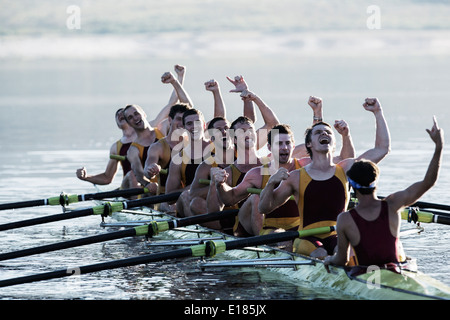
{"points": [[58, 115]]}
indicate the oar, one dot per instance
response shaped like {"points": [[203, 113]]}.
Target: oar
{"points": [[412, 214], [427, 205], [145, 230], [207, 249], [65, 199], [249, 190], [105, 209]]}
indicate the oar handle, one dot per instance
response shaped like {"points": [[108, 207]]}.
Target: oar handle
{"points": [[117, 157]]}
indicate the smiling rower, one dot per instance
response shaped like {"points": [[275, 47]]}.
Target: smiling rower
{"points": [[321, 187], [372, 228], [118, 148]]}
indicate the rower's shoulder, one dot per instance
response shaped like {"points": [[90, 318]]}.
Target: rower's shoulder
{"points": [[113, 149], [346, 163], [156, 146]]}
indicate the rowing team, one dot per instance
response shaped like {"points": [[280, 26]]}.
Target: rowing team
{"points": [[301, 186]]}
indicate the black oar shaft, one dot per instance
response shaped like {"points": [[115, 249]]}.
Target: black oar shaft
{"points": [[112, 194], [197, 251], [256, 241], [65, 199], [46, 219], [429, 205], [90, 211], [441, 219], [69, 244], [22, 204], [207, 217], [152, 200], [180, 253], [131, 232]]}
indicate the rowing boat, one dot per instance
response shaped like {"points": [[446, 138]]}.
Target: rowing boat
{"points": [[378, 284]]}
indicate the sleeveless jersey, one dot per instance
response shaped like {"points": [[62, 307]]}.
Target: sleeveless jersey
{"points": [[189, 166], [122, 149], [143, 150], [320, 202], [286, 216], [377, 245]]}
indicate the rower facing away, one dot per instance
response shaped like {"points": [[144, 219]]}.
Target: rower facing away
{"points": [[372, 228]]}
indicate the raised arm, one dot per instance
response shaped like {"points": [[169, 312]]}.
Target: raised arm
{"points": [[219, 105], [161, 119], [316, 105], [269, 117], [348, 149], [240, 85], [382, 136], [411, 194], [180, 71]]}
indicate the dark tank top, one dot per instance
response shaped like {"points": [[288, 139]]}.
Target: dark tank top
{"points": [[377, 245]]}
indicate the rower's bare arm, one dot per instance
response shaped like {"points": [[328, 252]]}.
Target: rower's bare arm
{"points": [[136, 166], [152, 163], [105, 177], [219, 105], [300, 151], [316, 105], [240, 192], [271, 198], [382, 136], [268, 115], [161, 120], [198, 189], [225, 192], [181, 93], [348, 149], [183, 96], [342, 254], [173, 182], [213, 201], [411, 194], [240, 85]]}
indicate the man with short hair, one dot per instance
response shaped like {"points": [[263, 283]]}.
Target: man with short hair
{"points": [[321, 188], [185, 162], [372, 228], [118, 148], [147, 133], [160, 153]]}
